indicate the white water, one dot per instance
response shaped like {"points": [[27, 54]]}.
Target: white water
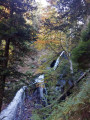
{"points": [[10, 112], [71, 65], [58, 60], [40, 79], [41, 84]]}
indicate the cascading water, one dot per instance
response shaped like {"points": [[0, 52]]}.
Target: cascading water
{"points": [[10, 112], [40, 81], [58, 60], [62, 82], [71, 66], [41, 85]]}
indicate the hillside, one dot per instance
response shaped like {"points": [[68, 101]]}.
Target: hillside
{"points": [[44, 59]]}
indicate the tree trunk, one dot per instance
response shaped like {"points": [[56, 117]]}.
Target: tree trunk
{"points": [[4, 67], [2, 82]]}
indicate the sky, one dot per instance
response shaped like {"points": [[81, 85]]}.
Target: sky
{"points": [[43, 2]]}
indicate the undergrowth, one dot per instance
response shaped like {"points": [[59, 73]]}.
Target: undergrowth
{"points": [[75, 107]]}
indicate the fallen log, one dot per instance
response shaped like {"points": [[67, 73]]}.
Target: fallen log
{"points": [[10, 112]]}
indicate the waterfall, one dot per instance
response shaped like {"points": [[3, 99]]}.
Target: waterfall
{"points": [[10, 112], [42, 88], [58, 59], [40, 79], [40, 82], [71, 65]]}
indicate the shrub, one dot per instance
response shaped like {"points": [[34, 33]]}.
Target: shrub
{"points": [[81, 54], [83, 49], [85, 36]]}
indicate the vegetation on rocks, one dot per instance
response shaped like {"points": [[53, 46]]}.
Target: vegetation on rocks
{"points": [[34, 37]]}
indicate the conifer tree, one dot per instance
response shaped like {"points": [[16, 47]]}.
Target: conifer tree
{"points": [[15, 33]]}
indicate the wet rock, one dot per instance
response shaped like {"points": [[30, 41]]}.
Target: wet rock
{"points": [[53, 63]]}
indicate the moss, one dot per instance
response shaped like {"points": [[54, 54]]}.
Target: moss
{"points": [[76, 106]]}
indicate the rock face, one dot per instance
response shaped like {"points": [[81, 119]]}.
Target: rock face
{"points": [[40, 91], [10, 113], [53, 63]]}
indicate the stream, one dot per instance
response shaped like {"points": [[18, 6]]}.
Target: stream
{"points": [[22, 105]]}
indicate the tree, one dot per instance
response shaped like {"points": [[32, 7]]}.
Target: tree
{"points": [[15, 36], [81, 53]]}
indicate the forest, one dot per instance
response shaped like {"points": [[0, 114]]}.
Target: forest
{"points": [[44, 59]]}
